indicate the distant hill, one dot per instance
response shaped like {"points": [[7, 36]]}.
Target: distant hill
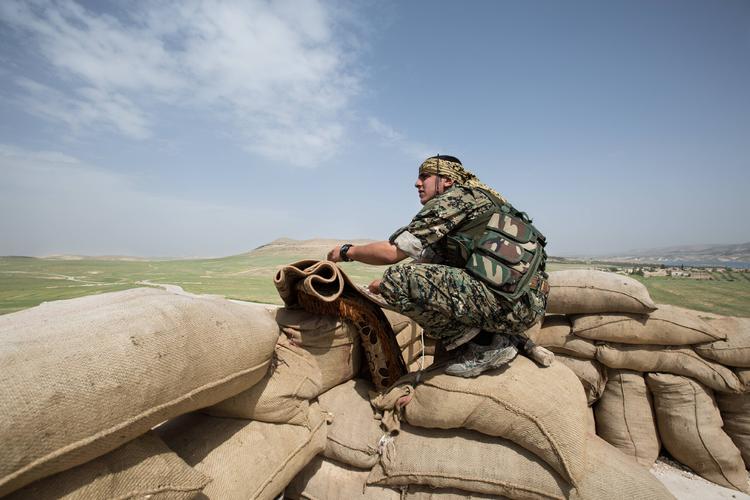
{"points": [[99, 257], [288, 246], [714, 254]]}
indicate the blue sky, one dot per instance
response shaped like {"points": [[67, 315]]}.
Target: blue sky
{"points": [[208, 128]]}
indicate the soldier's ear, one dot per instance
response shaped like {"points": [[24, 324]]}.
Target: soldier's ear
{"points": [[448, 182]]}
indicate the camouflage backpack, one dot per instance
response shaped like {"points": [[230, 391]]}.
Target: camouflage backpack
{"points": [[502, 248]]}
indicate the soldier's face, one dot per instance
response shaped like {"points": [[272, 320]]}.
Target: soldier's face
{"points": [[429, 185]]}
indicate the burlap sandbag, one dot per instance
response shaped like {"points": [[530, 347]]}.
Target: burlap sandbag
{"points": [[735, 411], [473, 462], [412, 351], [625, 416], [690, 428], [283, 395], [354, 434], [325, 479], [416, 350], [246, 459], [676, 360], [582, 291], [735, 350], [421, 363], [555, 334], [417, 492], [591, 373], [590, 421], [612, 475], [322, 287], [540, 409], [668, 325], [466, 460], [142, 468], [399, 322], [743, 374], [408, 336], [334, 343], [90, 374]]}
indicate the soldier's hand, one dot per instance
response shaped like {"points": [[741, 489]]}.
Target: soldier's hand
{"points": [[374, 287], [334, 255]]}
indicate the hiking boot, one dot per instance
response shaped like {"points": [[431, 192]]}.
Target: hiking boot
{"points": [[479, 358]]}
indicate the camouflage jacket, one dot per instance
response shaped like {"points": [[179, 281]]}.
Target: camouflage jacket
{"points": [[422, 237], [468, 228]]}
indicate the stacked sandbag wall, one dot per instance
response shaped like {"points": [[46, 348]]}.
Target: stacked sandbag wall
{"points": [[258, 400], [230, 390], [605, 323], [81, 378]]}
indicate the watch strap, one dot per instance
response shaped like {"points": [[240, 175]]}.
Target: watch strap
{"points": [[345, 251]]}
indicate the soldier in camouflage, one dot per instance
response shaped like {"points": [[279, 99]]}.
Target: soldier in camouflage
{"points": [[477, 280]]}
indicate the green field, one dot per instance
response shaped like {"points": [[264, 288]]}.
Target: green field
{"points": [[728, 293], [26, 282]]}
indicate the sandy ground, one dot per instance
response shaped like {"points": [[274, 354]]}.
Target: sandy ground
{"points": [[686, 485]]}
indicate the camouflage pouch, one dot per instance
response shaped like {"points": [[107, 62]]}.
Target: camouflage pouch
{"points": [[508, 253]]}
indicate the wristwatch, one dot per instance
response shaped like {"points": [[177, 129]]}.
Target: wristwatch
{"points": [[343, 252]]}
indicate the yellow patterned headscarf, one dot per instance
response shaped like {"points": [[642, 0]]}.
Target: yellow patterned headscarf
{"points": [[457, 173]]}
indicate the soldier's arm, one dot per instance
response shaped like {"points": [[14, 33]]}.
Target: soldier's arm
{"points": [[438, 217], [377, 253]]}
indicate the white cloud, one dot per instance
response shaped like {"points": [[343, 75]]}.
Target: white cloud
{"points": [[54, 203], [276, 70], [86, 108], [393, 138]]}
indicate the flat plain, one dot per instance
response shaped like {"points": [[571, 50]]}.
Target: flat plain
{"points": [[26, 281]]}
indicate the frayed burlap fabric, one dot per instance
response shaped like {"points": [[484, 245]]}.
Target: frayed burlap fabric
{"points": [[325, 479], [690, 429], [543, 410], [333, 343], [355, 434], [581, 291], [625, 416], [676, 360], [668, 325], [322, 287], [735, 350], [245, 459], [142, 468], [80, 377], [283, 395]]}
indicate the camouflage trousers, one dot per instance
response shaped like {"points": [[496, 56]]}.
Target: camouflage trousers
{"points": [[448, 302]]}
